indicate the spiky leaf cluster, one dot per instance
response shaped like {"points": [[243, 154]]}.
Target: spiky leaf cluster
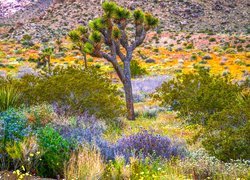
{"points": [[88, 48], [97, 24], [150, 21], [95, 37], [111, 26], [138, 16], [116, 33], [121, 13]]}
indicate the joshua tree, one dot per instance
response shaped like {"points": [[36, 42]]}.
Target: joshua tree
{"points": [[46, 57], [78, 37], [58, 44], [111, 37]]}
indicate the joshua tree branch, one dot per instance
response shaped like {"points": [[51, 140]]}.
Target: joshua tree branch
{"points": [[118, 51], [139, 40], [115, 64]]}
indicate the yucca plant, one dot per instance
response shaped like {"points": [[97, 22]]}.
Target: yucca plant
{"points": [[9, 96]]}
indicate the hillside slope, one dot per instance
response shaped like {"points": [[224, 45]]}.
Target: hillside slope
{"points": [[46, 19]]}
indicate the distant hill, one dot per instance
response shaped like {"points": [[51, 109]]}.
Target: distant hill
{"points": [[45, 19]]}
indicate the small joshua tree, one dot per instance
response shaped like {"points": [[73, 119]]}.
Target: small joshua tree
{"points": [[78, 37], [46, 57], [59, 44], [109, 37]]}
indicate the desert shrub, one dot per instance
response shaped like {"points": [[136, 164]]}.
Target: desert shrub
{"points": [[202, 166], [26, 41], [13, 129], [197, 96], [84, 129], [230, 51], [227, 133], [74, 91], [56, 151], [39, 115], [9, 96], [145, 144], [222, 107], [15, 126], [212, 39], [151, 112], [136, 69], [85, 163]]}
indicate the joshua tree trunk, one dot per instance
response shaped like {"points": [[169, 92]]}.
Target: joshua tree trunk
{"points": [[85, 61], [128, 91], [49, 68]]}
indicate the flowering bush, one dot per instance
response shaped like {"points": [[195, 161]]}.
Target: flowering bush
{"points": [[84, 129], [145, 144], [14, 125]]}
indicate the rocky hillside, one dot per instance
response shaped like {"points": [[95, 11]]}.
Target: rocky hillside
{"points": [[45, 19]]}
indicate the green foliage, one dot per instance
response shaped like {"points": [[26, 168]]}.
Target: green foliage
{"points": [[26, 37], [78, 90], [82, 30], [97, 24], [227, 134], [137, 169], [116, 33], [197, 96], [220, 105], [56, 152], [47, 51], [109, 8], [74, 36], [9, 96], [95, 37], [212, 40], [151, 21], [88, 48], [139, 16], [121, 13], [136, 69]]}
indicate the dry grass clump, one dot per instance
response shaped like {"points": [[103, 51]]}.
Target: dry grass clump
{"points": [[85, 163]]}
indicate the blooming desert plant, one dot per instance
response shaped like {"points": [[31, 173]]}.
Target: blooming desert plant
{"points": [[145, 144]]}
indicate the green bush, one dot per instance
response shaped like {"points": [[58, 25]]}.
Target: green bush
{"points": [[197, 96], [227, 133], [136, 69], [215, 102], [74, 90], [55, 152]]}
